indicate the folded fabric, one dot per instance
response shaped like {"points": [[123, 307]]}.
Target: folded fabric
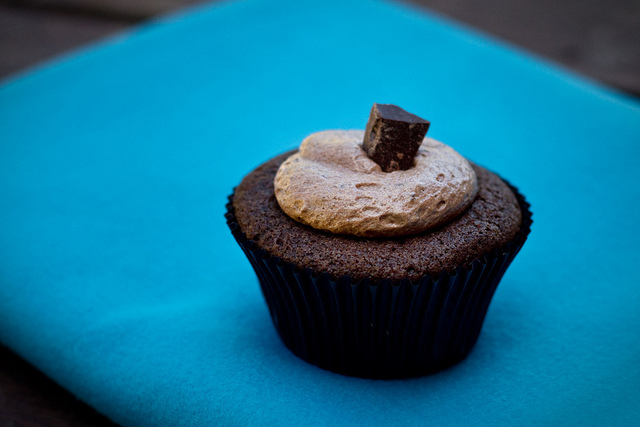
{"points": [[120, 280]]}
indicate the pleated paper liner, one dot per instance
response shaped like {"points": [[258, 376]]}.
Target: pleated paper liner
{"points": [[380, 329]]}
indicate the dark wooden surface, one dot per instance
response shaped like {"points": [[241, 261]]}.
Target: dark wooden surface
{"points": [[599, 39], [29, 398]]}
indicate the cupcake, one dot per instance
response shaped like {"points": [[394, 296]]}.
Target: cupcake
{"points": [[378, 251]]}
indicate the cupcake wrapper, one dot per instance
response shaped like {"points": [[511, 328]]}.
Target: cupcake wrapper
{"points": [[380, 329]]}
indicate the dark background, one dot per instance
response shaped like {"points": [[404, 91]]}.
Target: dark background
{"points": [[596, 38]]}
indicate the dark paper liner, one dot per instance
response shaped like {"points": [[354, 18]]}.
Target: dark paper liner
{"points": [[380, 329]]}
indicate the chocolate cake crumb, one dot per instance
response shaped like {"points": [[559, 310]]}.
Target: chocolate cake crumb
{"points": [[490, 222]]}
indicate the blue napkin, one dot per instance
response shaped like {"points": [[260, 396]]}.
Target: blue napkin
{"points": [[120, 280]]}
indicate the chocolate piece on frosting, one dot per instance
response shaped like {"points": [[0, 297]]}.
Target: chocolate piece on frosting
{"points": [[393, 136]]}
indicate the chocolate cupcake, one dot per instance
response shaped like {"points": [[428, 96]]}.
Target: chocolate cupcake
{"points": [[378, 269]]}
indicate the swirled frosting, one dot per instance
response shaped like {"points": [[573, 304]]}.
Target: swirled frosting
{"points": [[331, 184]]}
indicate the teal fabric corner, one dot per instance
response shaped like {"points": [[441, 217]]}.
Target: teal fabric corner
{"points": [[120, 280]]}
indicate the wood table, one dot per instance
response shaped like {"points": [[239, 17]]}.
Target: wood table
{"points": [[600, 40]]}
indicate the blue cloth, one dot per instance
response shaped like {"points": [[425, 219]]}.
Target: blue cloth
{"points": [[120, 280]]}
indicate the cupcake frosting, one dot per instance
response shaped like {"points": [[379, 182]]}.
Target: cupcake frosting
{"points": [[331, 184]]}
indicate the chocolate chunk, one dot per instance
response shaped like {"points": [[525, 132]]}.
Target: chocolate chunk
{"points": [[392, 137]]}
